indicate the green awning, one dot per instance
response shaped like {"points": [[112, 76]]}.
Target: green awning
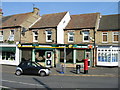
{"points": [[8, 49]]}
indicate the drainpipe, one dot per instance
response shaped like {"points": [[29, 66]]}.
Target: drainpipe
{"points": [[95, 30], [94, 50]]}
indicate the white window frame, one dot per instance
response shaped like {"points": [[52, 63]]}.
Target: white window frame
{"points": [[102, 37], [11, 37], [86, 33], [47, 34], [34, 35], [69, 35], [115, 33], [1, 36], [11, 32]]}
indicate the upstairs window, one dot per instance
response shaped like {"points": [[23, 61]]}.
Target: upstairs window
{"points": [[11, 32], [104, 37], [11, 37], [48, 36], [86, 36], [1, 35], [35, 36], [115, 36], [70, 36]]}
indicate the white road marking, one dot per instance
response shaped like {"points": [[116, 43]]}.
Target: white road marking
{"points": [[7, 87], [4, 87], [22, 83]]}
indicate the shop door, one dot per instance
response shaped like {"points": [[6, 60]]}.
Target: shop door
{"points": [[49, 58]]}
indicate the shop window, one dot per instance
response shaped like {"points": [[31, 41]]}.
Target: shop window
{"points": [[99, 57], [80, 56], [8, 56], [105, 57], [115, 36], [86, 36], [109, 57], [40, 56], [70, 36], [114, 57], [35, 36], [69, 56], [104, 37], [48, 36]]}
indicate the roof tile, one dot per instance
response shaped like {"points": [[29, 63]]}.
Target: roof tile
{"points": [[49, 20], [109, 22], [14, 20], [82, 21]]}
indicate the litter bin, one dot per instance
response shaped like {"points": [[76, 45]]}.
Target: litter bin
{"points": [[78, 69], [62, 69]]}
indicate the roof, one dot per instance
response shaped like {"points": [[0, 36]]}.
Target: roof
{"points": [[15, 20], [49, 20], [109, 22], [5, 18], [82, 21]]}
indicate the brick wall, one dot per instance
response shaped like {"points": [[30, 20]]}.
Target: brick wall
{"points": [[78, 37]]}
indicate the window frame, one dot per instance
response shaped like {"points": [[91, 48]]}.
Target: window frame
{"points": [[113, 33], [86, 33], [12, 33], [11, 36], [70, 36], [103, 35], [47, 34], [1, 35], [34, 35]]}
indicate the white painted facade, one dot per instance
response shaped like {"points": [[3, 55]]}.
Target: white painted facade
{"points": [[60, 27], [17, 55], [108, 56]]}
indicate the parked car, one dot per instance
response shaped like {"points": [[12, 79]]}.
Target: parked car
{"points": [[28, 67]]}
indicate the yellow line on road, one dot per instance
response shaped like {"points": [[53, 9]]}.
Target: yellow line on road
{"points": [[85, 75]]}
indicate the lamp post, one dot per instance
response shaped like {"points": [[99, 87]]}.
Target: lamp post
{"points": [[65, 58]]}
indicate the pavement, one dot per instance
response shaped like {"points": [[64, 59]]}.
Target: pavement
{"points": [[92, 71]]}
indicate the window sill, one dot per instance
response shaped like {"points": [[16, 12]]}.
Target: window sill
{"points": [[115, 42], [48, 41], [104, 42], [35, 41], [70, 41], [86, 41]]}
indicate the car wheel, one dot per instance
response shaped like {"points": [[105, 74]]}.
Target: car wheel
{"points": [[18, 72], [42, 73]]}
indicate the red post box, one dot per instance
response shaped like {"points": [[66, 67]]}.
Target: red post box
{"points": [[85, 66]]}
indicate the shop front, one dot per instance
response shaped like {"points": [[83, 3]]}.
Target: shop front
{"points": [[9, 54], [54, 55], [107, 56], [82, 51]]}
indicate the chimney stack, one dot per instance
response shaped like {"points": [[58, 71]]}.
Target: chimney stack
{"points": [[36, 11]]}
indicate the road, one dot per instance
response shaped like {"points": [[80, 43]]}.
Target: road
{"points": [[9, 80]]}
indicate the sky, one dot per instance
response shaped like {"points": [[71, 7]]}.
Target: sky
{"points": [[105, 8]]}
